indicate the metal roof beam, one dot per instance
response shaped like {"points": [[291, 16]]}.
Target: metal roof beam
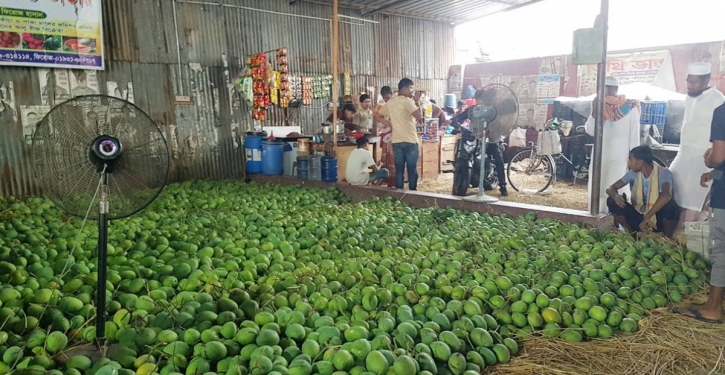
{"points": [[406, 11], [517, 6], [386, 6]]}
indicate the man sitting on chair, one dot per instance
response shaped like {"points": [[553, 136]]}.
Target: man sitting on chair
{"points": [[359, 164], [652, 206]]}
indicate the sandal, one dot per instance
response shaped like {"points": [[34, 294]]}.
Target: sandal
{"points": [[691, 312]]}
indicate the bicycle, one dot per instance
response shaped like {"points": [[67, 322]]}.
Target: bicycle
{"points": [[529, 171]]}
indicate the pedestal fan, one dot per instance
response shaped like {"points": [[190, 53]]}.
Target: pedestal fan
{"points": [[497, 109], [100, 150]]}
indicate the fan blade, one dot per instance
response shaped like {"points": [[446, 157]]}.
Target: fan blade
{"points": [[68, 169]]}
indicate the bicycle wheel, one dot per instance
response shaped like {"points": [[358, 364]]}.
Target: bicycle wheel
{"points": [[529, 172]]}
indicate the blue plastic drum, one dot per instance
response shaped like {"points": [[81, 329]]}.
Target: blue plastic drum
{"points": [[329, 169], [253, 150], [272, 158]]}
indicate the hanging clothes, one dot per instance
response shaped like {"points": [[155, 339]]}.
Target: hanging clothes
{"points": [[621, 134], [689, 165], [469, 93]]}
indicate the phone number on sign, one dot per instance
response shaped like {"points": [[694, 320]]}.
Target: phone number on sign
{"points": [[46, 58]]}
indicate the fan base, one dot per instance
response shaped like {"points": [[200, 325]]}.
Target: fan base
{"points": [[481, 198]]}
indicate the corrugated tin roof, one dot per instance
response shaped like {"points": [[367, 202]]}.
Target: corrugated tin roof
{"points": [[454, 11]]}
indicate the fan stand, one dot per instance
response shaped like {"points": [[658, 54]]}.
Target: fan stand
{"points": [[104, 153], [481, 196], [483, 115]]}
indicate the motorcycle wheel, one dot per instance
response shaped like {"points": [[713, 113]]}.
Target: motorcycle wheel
{"points": [[491, 184], [475, 173], [490, 181], [461, 178]]}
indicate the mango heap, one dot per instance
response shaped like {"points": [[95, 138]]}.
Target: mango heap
{"points": [[234, 278]]}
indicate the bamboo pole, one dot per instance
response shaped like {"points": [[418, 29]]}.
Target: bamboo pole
{"points": [[335, 73]]}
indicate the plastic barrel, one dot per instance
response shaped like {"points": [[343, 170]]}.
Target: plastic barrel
{"points": [[290, 156], [290, 153], [315, 167], [450, 101], [329, 169], [272, 158], [293, 147], [253, 149], [303, 166]]}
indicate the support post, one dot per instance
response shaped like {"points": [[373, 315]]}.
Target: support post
{"points": [[335, 72], [596, 171], [102, 262]]}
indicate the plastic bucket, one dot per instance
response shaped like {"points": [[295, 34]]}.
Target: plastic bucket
{"points": [[303, 167], [272, 158], [329, 169], [450, 101], [253, 150]]}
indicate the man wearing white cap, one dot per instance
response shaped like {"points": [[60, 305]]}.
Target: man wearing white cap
{"points": [[621, 134], [694, 141]]}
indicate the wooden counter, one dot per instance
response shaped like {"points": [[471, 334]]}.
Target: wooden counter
{"points": [[447, 151], [428, 159]]}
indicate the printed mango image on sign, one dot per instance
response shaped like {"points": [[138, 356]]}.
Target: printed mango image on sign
{"points": [[51, 33]]}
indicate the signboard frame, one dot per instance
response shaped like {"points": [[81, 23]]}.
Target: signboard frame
{"points": [[59, 34]]}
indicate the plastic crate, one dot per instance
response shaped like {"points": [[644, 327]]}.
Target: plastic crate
{"points": [[654, 113]]}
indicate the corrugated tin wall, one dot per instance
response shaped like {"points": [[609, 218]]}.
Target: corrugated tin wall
{"points": [[214, 38]]}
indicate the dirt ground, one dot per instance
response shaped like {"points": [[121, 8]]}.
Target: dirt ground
{"points": [[562, 194]]}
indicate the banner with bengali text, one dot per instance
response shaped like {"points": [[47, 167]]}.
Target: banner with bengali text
{"points": [[51, 33], [627, 68]]}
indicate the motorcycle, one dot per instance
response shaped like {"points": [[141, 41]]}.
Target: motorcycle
{"points": [[467, 164]]}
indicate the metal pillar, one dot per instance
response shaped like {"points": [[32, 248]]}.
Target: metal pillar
{"points": [[596, 172], [335, 72]]}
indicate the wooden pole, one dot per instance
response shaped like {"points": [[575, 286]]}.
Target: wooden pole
{"points": [[335, 72]]}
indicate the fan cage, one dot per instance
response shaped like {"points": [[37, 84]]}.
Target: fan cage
{"points": [[505, 101], [60, 151]]}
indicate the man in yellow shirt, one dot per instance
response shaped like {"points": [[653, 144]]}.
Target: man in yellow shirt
{"points": [[403, 112]]}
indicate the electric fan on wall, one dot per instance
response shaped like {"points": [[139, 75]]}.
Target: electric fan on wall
{"points": [[101, 158]]}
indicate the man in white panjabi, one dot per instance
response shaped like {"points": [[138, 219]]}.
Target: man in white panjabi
{"points": [[694, 141], [621, 134]]}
